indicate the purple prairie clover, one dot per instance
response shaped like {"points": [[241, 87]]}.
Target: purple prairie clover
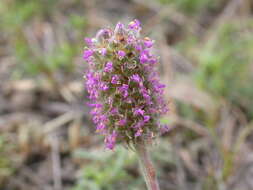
{"points": [[103, 51], [88, 42], [122, 122], [115, 79], [104, 86], [146, 118], [138, 125], [102, 35], [153, 61], [134, 25], [87, 54], [138, 47], [100, 127], [95, 105], [144, 58], [114, 111], [148, 43], [110, 140], [131, 41], [138, 133], [108, 67], [136, 78], [123, 85], [164, 128], [121, 54], [139, 111], [124, 90], [119, 29]]}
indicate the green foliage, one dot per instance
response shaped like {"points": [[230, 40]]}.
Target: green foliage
{"points": [[191, 6], [78, 22], [224, 64], [5, 163], [15, 13], [59, 59], [106, 170], [33, 60]]}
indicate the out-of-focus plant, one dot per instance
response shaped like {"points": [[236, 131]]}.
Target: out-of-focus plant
{"points": [[6, 168], [29, 46], [225, 64], [106, 170], [191, 6]]}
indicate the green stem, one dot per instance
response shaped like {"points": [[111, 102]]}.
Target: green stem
{"points": [[147, 166]]}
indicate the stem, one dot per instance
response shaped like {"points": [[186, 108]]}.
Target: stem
{"points": [[147, 166]]}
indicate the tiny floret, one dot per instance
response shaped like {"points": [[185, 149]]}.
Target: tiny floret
{"points": [[121, 54], [123, 85], [108, 67], [136, 25]]}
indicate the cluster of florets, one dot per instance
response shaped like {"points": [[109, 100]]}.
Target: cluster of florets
{"points": [[126, 95]]}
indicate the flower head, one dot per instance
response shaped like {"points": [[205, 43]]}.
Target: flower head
{"points": [[122, 83]]}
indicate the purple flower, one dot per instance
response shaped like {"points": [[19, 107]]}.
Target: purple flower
{"points": [[119, 29], [103, 51], [138, 125], [87, 54], [100, 127], [110, 140], [146, 118], [103, 34], [134, 25], [124, 90], [138, 47], [95, 105], [148, 43], [121, 54], [114, 111], [164, 129], [128, 100], [98, 117], [139, 111], [153, 61], [143, 58], [157, 86], [122, 122], [136, 78], [104, 86], [92, 81], [138, 133], [88, 42], [115, 79], [108, 67], [123, 85], [130, 40]]}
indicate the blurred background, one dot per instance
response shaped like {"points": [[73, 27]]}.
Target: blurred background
{"points": [[47, 140]]}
